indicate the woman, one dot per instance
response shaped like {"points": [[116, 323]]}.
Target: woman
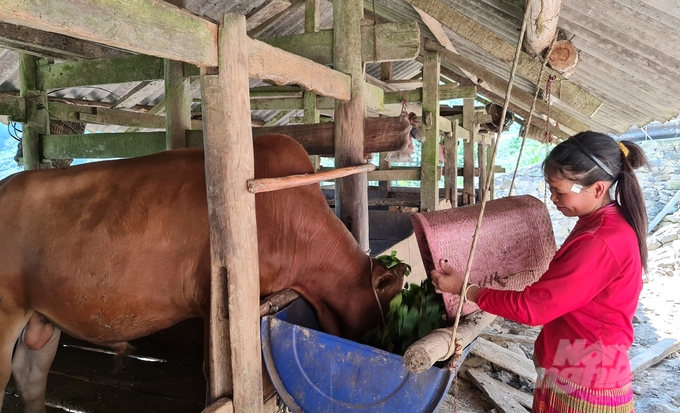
{"points": [[588, 296]]}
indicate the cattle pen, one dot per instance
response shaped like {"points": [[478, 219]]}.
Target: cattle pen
{"points": [[190, 73]]}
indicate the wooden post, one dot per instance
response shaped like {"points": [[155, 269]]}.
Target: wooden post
{"points": [[384, 187], [311, 114], [177, 105], [429, 182], [481, 161], [351, 198], [177, 98], [468, 152], [35, 124], [451, 165], [490, 168], [234, 329]]}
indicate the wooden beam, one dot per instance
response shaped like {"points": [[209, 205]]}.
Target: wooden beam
{"points": [[274, 184], [234, 329], [380, 134], [395, 41], [429, 181], [14, 107], [406, 174], [53, 45], [172, 33], [266, 11], [451, 159], [271, 63], [499, 85], [351, 197], [570, 93], [100, 71], [445, 92]]}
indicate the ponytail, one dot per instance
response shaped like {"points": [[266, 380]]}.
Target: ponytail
{"points": [[630, 196], [588, 157]]}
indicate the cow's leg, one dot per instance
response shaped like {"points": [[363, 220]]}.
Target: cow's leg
{"points": [[11, 323], [33, 356]]}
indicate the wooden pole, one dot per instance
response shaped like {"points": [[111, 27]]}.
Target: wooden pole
{"points": [[429, 181], [35, 123], [311, 114], [468, 152], [177, 105], [234, 328], [386, 70], [292, 181], [351, 198], [451, 165], [481, 161]]}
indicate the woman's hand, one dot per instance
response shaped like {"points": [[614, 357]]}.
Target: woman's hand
{"points": [[446, 281]]}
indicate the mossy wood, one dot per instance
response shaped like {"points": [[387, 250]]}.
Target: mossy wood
{"points": [[151, 28], [429, 181], [382, 135], [395, 41]]}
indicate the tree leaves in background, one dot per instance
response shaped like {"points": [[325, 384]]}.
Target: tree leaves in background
{"points": [[413, 313]]}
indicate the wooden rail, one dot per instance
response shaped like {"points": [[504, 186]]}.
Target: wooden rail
{"points": [[292, 181]]}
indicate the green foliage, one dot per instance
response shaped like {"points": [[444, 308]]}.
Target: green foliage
{"points": [[413, 313], [389, 261]]}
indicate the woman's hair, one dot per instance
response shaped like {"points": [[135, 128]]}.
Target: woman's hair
{"points": [[588, 157]]}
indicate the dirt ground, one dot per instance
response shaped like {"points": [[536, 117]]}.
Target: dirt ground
{"points": [[658, 317]]}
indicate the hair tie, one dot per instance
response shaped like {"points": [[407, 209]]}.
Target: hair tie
{"points": [[623, 149]]}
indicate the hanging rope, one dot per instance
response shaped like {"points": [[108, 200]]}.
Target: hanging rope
{"points": [[487, 188], [531, 113]]}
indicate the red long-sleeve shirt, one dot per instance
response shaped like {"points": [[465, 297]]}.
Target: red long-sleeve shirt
{"points": [[585, 301]]}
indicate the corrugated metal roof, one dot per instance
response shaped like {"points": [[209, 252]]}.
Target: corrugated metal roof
{"points": [[629, 55]]}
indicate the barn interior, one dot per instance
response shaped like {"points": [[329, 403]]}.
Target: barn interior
{"points": [[88, 79]]}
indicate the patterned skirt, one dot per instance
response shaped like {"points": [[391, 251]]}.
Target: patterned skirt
{"points": [[556, 395]]}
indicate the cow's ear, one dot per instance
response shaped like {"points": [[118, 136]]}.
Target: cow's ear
{"points": [[389, 277]]}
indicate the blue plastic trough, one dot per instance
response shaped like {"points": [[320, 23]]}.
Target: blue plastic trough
{"points": [[315, 372]]}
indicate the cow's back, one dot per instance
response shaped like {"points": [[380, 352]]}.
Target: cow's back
{"points": [[96, 246]]}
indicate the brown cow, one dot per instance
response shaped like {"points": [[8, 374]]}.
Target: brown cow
{"points": [[112, 251]]}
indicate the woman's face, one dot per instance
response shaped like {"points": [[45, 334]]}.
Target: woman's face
{"points": [[573, 200]]}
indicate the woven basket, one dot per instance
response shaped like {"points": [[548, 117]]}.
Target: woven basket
{"points": [[515, 246]]}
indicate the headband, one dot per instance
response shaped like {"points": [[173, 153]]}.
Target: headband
{"points": [[578, 145]]}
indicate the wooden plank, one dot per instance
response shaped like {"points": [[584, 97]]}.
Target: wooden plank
{"points": [[100, 71], [102, 145], [264, 12], [312, 15], [505, 358], [14, 107], [121, 117], [351, 197], [234, 330], [270, 63], [395, 41], [410, 174], [500, 398], [654, 354], [292, 181], [429, 181], [53, 45], [177, 105], [445, 92], [570, 93], [172, 33], [499, 85]]}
